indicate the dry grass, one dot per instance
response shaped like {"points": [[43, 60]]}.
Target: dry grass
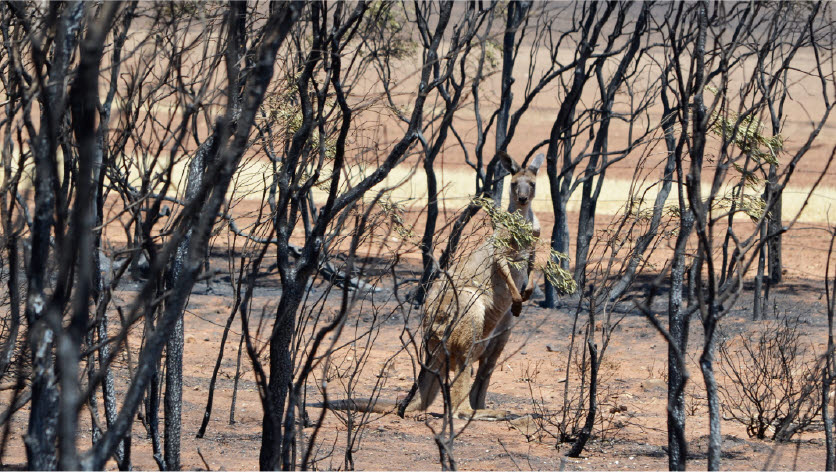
{"points": [[409, 186], [457, 189]]}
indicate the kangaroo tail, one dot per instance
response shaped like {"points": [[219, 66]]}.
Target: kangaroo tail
{"points": [[367, 405]]}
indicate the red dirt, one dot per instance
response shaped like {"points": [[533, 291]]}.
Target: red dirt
{"points": [[634, 369], [634, 397]]}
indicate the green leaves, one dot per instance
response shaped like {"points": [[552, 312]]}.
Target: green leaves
{"points": [[513, 232], [746, 133], [511, 229], [560, 278]]}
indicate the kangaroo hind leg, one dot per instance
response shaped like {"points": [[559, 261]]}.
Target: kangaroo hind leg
{"points": [[487, 364], [460, 398]]}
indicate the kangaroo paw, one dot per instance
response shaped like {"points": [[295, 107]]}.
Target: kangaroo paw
{"points": [[483, 414], [529, 290], [516, 308]]}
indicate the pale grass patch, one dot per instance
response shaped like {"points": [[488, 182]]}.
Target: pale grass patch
{"points": [[457, 189], [820, 209], [409, 186]]}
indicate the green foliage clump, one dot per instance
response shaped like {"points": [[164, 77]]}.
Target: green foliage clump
{"points": [[281, 111], [752, 205], [560, 278], [172, 9], [511, 230], [493, 53], [395, 212], [393, 39], [748, 136]]}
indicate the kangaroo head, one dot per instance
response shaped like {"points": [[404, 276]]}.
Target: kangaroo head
{"points": [[523, 180]]}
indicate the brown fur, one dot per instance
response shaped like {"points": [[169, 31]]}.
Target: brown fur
{"points": [[468, 317]]}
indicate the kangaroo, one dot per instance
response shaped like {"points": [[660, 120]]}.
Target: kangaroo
{"points": [[467, 316]]}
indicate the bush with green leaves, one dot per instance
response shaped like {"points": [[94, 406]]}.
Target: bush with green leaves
{"points": [[512, 230]]}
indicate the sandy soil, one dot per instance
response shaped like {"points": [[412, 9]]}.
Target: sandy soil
{"points": [[529, 381]]}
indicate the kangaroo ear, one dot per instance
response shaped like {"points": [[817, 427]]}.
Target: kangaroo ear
{"points": [[535, 163], [508, 162]]}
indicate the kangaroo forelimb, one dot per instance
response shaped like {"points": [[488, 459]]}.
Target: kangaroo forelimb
{"points": [[505, 271], [529, 284]]}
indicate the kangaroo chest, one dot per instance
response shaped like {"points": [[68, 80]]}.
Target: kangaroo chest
{"points": [[500, 297]]}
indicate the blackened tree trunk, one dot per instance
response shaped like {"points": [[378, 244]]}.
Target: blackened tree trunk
{"points": [[427, 257], [42, 431], [278, 434], [775, 229], [594, 362], [759, 302], [199, 216], [559, 242], [236, 43], [446, 81], [600, 149], [174, 307], [715, 441], [706, 292], [173, 399], [679, 325], [678, 319], [273, 441], [274, 400], [562, 136], [84, 97], [517, 11], [98, 204], [827, 373]]}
